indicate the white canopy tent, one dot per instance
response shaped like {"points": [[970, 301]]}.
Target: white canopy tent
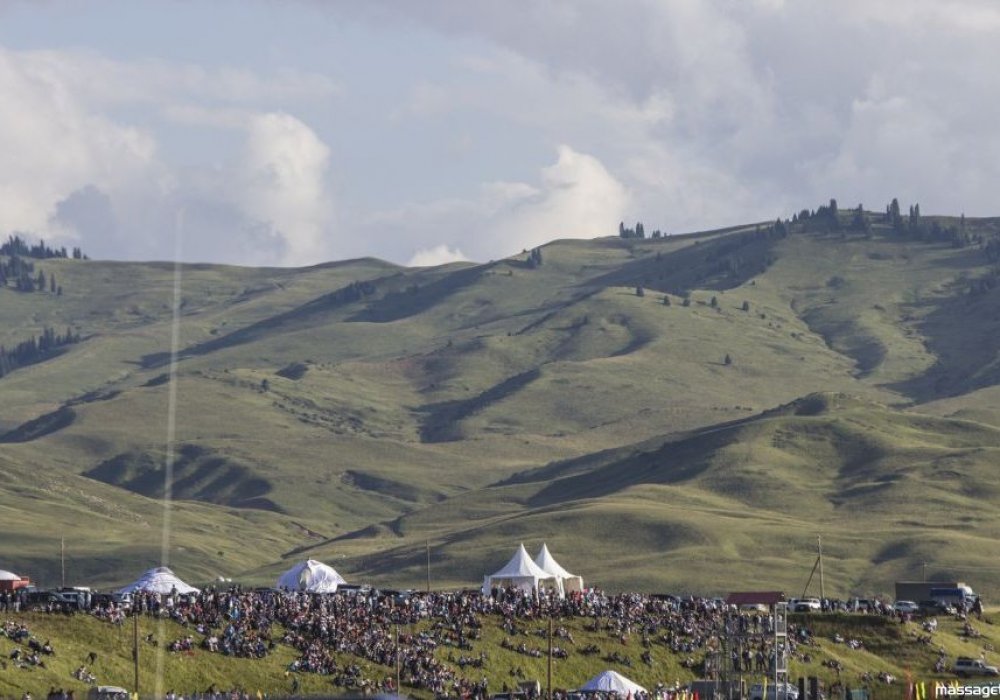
{"points": [[311, 576], [521, 573], [159, 580], [8, 576], [613, 682], [547, 563]]}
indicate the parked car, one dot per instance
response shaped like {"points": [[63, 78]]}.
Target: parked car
{"points": [[966, 666], [905, 606], [107, 692], [936, 607], [804, 605], [60, 598]]}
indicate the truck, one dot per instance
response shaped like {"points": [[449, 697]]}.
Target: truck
{"points": [[956, 593], [959, 597]]}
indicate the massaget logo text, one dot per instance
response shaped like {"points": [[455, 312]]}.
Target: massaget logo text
{"points": [[954, 689]]}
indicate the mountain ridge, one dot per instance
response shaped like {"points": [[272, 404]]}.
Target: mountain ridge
{"points": [[387, 407]]}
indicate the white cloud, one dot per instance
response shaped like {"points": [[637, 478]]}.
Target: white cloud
{"points": [[680, 114], [161, 83], [576, 197], [438, 255], [718, 111], [53, 145], [284, 172], [85, 177]]}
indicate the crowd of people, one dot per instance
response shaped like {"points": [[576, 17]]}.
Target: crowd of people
{"points": [[432, 638]]}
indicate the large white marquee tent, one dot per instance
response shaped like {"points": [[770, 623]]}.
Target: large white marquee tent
{"points": [[547, 563], [312, 576], [522, 573], [159, 580]]}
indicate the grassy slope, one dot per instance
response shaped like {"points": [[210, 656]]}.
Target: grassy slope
{"points": [[111, 535], [886, 489], [888, 646], [438, 383]]}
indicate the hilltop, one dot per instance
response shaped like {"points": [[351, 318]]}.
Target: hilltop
{"points": [[682, 412]]}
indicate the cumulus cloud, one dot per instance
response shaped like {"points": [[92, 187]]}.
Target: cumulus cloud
{"points": [[681, 114], [284, 172], [53, 146], [438, 255], [578, 198], [717, 111], [575, 197], [82, 176]]}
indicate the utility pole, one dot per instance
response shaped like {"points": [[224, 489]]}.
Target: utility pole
{"points": [[135, 647], [822, 588], [62, 559], [549, 696], [428, 566]]}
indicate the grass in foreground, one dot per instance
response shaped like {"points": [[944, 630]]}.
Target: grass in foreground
{"points": [[886, 645]]}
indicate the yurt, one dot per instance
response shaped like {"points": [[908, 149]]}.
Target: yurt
{"points": [[159, 580], [9, 581], [613, 682], [311, 576]]}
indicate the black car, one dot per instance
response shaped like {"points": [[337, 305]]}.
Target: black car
{"points": [[63, 599], [936, 607]]}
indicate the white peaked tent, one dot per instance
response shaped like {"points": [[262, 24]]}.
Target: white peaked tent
{"points": [[312, 576], [547, 563], [159, 580], [612, 682], [521, 573], [8, 576]]}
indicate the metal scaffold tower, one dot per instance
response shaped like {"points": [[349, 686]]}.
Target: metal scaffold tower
{"points": [[781, 648], [753, 647]]}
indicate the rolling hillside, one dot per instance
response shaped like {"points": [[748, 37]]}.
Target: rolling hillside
{"points": [[678, 413]]}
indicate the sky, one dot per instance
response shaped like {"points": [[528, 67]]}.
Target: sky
{"points": [[301, 131]]}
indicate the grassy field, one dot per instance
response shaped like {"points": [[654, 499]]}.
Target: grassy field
{"points": [[361, 413], [886, 646]]}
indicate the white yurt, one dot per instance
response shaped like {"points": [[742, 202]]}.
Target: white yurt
{"points": [[547, 563], [10, 581], [613, 682], [521, 573], [311, 576], [159, 580]]}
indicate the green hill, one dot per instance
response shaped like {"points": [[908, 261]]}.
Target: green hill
{"points": [[683, 412], [885, 646]]}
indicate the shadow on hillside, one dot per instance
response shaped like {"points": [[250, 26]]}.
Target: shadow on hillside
{"points": [[441, 421], [417, 298], [847, 338], [961, 332], [672, 463], [383, 486], [199, 474], [47, 424], [298, 318], [397, 302], [720, 264]]}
